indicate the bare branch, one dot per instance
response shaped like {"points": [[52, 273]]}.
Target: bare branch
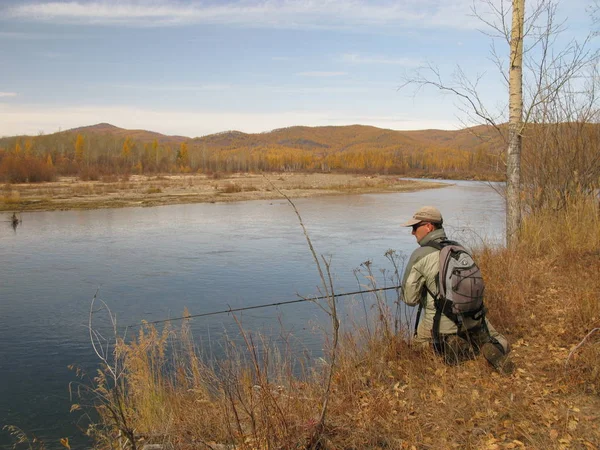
{"points": [[579, 345]]}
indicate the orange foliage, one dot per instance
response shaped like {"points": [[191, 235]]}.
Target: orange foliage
{"points": [[354, 149]]}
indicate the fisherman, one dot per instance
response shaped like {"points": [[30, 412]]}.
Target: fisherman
{"points": [[456, 341], [15, 220]]}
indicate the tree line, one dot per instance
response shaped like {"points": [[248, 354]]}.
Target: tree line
{"points": [[91, 156]]}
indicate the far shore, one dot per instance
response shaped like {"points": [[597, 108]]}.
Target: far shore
{"points": [[69, 193]]}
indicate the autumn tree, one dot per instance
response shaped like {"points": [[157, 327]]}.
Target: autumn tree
{"points": [[128, 145], [79, 148], [29, 147], [183, 156], [155, 152]]}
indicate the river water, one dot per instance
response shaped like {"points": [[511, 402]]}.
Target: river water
{"points": [[151, 263]]}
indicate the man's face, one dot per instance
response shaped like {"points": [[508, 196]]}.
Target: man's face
{"points": [[421, 229]]}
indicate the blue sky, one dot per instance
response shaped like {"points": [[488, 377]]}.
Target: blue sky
{"points": [[199, 67]]}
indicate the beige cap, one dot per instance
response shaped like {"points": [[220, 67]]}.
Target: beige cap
{"points": [[425, 214]]}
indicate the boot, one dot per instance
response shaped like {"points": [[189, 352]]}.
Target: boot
{"points": [[498, 359], [457, 350]]}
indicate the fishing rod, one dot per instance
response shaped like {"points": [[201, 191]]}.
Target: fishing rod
{"points": [[246, 308]]}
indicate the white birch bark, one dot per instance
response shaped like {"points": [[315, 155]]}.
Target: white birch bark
{"points": [[515, 126]]}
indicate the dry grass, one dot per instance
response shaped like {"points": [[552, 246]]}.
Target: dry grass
{"points": [[544, 296], [138, 190]]}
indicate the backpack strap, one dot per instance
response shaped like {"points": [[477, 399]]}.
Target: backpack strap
{"points": [[418, 317], [440, 244], [445, 308], [437, 245]]}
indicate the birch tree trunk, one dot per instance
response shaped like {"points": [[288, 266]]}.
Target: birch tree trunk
{"points": [[515, 125]]}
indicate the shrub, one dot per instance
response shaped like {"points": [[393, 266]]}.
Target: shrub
{"points": [[230, 188], [25, 169], [89, 173]]}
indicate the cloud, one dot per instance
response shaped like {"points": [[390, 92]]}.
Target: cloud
{"points": [[34, 36], [8, 94], [174, 87], [32, 119], [355, 58], [350, 89], [321, 74], [288, 14]]}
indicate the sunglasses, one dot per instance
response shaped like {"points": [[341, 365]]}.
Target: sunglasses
{"points": [[416, 226]]}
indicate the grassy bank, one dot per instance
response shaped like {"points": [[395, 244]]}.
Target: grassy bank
{"points": [[544, 296], [141, 190]]}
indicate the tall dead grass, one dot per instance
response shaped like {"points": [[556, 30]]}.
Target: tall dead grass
{"points": [[544, 296]]}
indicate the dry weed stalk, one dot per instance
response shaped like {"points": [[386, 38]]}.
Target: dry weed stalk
{"points": [[109, 388], [331, 311]]}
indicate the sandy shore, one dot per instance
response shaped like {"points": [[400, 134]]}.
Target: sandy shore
{"points": [[140, 190]]}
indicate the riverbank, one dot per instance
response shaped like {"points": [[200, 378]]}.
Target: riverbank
{"points": [[139, 190], [385, 394]]}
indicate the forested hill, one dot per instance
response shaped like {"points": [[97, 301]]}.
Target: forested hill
{"points": [[335, 138], [139, 135], [470, 152]]}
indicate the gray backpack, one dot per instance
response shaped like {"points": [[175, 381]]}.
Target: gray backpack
{"points": [[460, 285]]}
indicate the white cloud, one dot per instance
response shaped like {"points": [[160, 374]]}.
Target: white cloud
{"points": [[254, 13], [34, 36], [321, 74], [350, 89], [174, 88], [356, 58], [33, 118], [8, 94]]}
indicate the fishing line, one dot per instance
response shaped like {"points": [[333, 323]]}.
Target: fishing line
{"points": [[246, 308]]}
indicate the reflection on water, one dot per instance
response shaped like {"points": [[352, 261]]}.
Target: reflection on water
{"points": [[151, 263], [14, 221]]}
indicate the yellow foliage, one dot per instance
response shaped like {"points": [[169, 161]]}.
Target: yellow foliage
{"points": [[79, 148], [127, 147]]}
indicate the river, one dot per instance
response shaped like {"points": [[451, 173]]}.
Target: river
{"points": [[151, 263]]}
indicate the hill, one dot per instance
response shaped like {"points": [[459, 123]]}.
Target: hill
{"points": [[106, 149], [353, 137], [139, 135], [333, 138]]}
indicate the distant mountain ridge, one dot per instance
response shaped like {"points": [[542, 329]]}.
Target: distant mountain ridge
{"points": [[353, 137], [105, 148], [140, 135], [324, 139]]}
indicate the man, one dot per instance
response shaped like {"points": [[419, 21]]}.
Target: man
{"points": [[456, 342]]}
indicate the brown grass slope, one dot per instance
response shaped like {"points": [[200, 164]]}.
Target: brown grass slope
{"points": [[332, 138], [351, 137]]}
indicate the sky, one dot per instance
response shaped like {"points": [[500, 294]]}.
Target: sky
{"points": [[191, 68]]}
